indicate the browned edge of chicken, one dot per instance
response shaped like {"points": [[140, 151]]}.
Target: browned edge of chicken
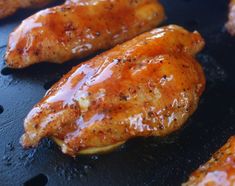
{"points": [[219, 170]]}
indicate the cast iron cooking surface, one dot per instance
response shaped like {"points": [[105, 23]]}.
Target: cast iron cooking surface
{"points": [[152, 161]]}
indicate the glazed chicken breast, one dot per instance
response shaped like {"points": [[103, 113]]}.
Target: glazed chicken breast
{"points": [[230, 25], [8, 7], [79, 28], [219, 170], [148, 86]]}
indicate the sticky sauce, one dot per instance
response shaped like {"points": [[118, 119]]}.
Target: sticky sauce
{"points": [[137, 89], [79, 28]]}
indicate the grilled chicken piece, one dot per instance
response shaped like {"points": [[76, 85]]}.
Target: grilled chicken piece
{"points": [[148, 86], [219, 170], [8, 7], [230, 25], [79, 28]]}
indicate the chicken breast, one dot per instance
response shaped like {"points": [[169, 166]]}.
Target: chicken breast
{"points": [[230, 25], [8, 7], [79, 28], [148, 86], [219, 170]]}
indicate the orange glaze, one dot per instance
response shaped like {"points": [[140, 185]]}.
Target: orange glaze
{"points": [[79, 28], [219, 170], [148, 86], [8, 7]]}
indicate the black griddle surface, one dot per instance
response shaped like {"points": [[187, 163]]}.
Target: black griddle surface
{"points": [[152, 161]]}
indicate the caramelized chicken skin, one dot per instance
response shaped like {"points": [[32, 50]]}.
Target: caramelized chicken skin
{"points": [[230, 25], [219, 170], [79, 28], [8, 7], [148, 86]]}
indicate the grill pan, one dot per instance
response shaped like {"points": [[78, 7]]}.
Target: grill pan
{"points": [[149, 161]]}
